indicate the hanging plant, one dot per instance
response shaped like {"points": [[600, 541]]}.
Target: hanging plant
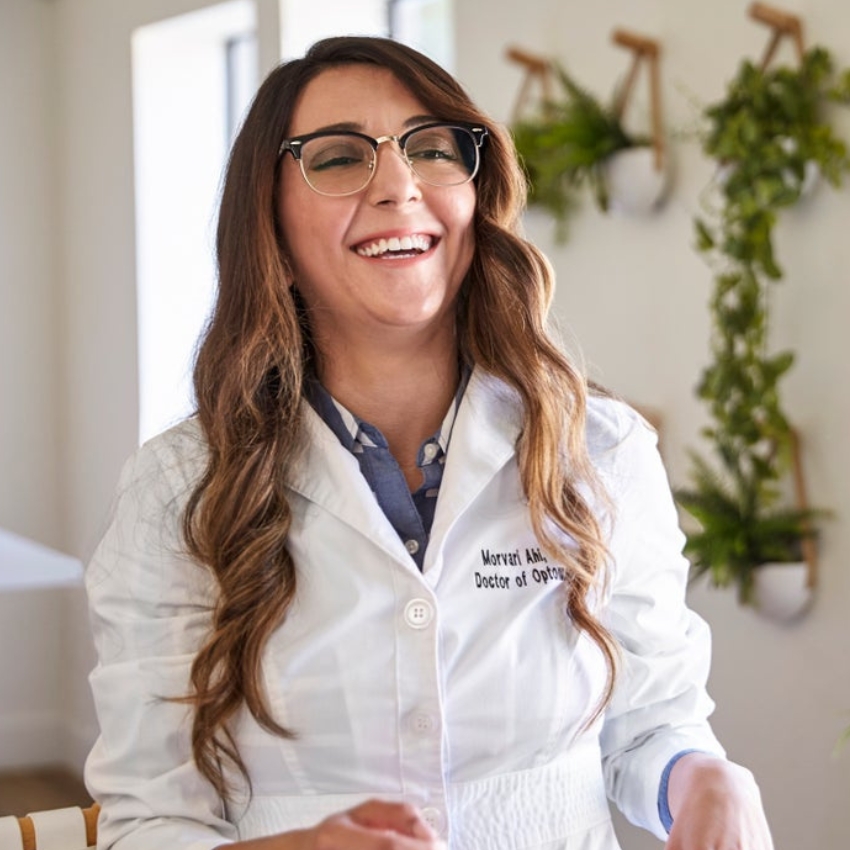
{"points": [[767, 136], [564, 148]]}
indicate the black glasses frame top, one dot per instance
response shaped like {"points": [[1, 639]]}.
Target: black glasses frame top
{"points": [[295, 144]]}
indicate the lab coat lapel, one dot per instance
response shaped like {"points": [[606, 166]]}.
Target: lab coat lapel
{"points": [[329, 475], [483, 440]]}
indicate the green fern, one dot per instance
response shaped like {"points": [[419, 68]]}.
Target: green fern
{"points": [[563, 149]]}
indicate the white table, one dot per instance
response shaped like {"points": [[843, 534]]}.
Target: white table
{"points": [[27, 565]]}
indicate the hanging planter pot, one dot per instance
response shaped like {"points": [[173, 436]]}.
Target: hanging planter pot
{"points": [[811, 178], [636, 185], [782, 591], [572, 140]]}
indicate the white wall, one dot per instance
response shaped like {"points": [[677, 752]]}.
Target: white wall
{"points": [[632, 291], [634, 294], [29, 328], [32, 672]]}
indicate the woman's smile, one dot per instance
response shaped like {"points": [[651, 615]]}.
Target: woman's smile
{"points": [[397, 247]]}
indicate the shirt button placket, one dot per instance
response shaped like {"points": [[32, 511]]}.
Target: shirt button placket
{"points": [[421, 738]]}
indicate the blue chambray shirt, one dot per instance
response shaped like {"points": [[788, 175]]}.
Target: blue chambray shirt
{"points": [[410, 514]]}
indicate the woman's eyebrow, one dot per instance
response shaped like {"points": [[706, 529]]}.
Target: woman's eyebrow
{"points": [[355, 127], [418, 119], [341, 126]]}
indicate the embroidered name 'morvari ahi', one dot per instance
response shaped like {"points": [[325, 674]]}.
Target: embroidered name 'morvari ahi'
{"points": [[500, 559]]}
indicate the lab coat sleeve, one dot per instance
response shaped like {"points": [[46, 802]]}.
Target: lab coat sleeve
{"points": [[150, 608], [660, 705]]}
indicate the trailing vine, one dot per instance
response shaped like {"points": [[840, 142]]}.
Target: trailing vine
{"points": [[768, 135]]}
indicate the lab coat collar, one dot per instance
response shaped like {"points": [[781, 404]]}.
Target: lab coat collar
{"points": [[482, 442]]}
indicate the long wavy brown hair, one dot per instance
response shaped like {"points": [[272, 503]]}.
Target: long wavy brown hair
{"points": [[250, 370]]}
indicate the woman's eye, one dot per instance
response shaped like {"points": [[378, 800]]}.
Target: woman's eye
{"points": [[336, 155], [333, 162], [440, 146], [433, 153]]}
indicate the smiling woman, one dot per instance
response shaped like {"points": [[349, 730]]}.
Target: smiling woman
{"points": [[359, 290], [325, 601]]}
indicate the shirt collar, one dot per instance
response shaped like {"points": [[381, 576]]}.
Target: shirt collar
{"points": [[356, 434]]}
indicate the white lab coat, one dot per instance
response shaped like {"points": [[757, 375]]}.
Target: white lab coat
{"points": [[462, 688]]}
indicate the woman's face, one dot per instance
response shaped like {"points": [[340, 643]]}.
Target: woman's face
{"points": [[351, 288]]}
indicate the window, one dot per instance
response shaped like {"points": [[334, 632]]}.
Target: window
{"points": [[193, 76], [302, 22], [425, 25]]}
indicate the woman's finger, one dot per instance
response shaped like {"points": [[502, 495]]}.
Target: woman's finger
{"points": [[375, 825], [403, 818]]}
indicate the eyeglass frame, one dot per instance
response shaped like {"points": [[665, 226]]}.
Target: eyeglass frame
{"points": [[294, 145]]}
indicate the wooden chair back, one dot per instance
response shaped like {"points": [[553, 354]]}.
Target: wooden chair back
{"points": [[73, 828]]}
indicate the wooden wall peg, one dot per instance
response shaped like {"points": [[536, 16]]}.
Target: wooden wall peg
{"points": [[647, 49], [537, 68], [808, 544], [783, 24]]}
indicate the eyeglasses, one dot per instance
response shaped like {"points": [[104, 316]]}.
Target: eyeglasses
{"points": [[343, 162]]}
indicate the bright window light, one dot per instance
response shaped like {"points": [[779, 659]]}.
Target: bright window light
{"points": [[303, 23], [425, 25], [193, 76]]}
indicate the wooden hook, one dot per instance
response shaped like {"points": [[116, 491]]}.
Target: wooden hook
{"points": [[536, 68], [808, 544], [644, 49], [783, 24]]}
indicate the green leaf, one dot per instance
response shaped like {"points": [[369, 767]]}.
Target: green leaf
{"points": [[705, 241]]}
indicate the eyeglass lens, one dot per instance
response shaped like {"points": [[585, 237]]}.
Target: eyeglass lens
{"points": [[343, 164]]}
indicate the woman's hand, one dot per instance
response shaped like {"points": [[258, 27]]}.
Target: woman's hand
{"points": [[715, 805], [374, 825]]}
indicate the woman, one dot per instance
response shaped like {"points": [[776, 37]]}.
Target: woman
{"points": [[401, 581]]}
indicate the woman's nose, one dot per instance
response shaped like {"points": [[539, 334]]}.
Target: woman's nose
{"points": [[393, 181]]}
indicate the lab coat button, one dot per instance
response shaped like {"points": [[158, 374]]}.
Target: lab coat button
{"points": [[418, 613], [434, 818], [412, 546], [421, 723]]}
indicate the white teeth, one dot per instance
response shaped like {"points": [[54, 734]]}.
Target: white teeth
{"points": [[418, 243]]}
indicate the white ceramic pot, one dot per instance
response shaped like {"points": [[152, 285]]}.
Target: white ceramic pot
{"points": [[811, 178], [635, 185], [811, 172], [781, 590]]}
